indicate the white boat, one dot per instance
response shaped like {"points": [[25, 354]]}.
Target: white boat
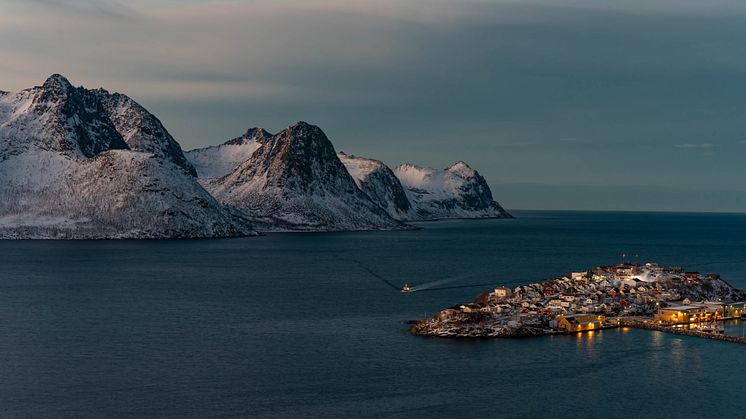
{"points": [[712, 328]]}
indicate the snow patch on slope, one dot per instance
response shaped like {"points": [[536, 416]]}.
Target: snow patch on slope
{"points": [[117, 194], [219, 160], [379, 183], [141, 130]]}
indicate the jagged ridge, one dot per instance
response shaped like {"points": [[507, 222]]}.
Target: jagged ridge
{"points": [[68, 172], [141, 130], [296, 181]]}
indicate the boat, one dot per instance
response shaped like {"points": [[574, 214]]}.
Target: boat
{"points": [[712, 327], [405, 289]]}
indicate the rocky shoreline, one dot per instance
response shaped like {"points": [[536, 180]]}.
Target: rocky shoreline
{"points": [[641, 296]]}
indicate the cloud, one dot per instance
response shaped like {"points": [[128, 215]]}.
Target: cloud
{"points": [[519, 88], [695, 145], [519, 143], [71, 8]]}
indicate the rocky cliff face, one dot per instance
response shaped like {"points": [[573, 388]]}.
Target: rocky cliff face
{"points": [[56, 117], [295, 181], [141, 130], [221, 159], [458, 191], [379, 183], [68, 170]]}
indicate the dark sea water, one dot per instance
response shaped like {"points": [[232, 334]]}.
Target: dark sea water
{"points": [[291, 325]]}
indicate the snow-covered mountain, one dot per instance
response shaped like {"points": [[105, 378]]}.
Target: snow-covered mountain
{"points": [[295, 181], [458, 191], [141, 130], [414, 193], [56, 117], [78, 163], [379, 183], [221, 159]]}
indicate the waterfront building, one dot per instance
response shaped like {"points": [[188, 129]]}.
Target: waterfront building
{"points": [[580, 322], [683, 314], [724, 310], [733, 309]]}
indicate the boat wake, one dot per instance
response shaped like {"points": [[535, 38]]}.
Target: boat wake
{"points": [[437, 285]]}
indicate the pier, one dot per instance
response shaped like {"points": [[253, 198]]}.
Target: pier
{"points": [[681, 331]]}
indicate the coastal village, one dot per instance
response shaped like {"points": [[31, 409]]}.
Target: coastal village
{"points": [[638, 295]]}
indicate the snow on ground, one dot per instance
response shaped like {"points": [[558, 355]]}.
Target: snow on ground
{"points": [[439, 184], [219, 160], [358, 167], [457, 191], [377, 181], [66, 172], [117, 194]]}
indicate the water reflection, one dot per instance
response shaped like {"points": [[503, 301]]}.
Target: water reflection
{"points": [[586, 341], [735, 327]]}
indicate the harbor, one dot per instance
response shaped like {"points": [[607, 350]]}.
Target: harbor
{"points": [[684, 331], [643, 296]]}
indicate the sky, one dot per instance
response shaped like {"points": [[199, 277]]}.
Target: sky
{"points": [[574, 104]]}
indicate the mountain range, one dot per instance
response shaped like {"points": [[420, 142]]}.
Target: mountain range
{"points": [[81, 163]]}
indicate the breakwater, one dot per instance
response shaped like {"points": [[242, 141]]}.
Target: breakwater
{"points": [[682, 331]]}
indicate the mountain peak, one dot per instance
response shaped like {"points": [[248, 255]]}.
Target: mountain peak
{"points": [[251, 134], [461, 167], [301, 138], [257, 132], [298, 181], [57, 81], [304, 130], [302, 124]]}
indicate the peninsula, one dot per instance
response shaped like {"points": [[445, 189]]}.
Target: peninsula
{"points": [[646, 296]]}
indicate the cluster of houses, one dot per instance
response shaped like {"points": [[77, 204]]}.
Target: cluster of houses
{"points": [[598, 298]]}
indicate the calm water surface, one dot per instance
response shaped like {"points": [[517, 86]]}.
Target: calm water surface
{"points": [[290, 325]]}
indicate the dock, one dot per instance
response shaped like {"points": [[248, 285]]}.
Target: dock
{"points": [[681, 331]]}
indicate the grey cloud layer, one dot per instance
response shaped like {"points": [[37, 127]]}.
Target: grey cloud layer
{"points": [[502, 84]]}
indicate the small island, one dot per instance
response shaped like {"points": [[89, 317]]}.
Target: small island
{"points": [[645, 296]]}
